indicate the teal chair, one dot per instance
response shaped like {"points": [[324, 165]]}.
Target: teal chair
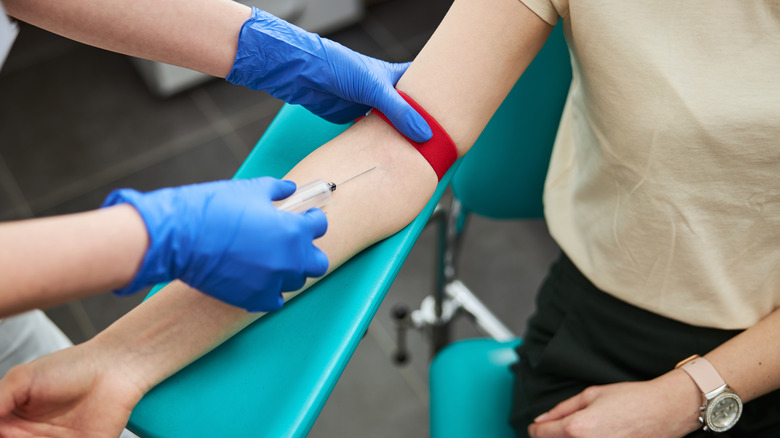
{"points": [[273, 378], [470, 386], [502, 177]]}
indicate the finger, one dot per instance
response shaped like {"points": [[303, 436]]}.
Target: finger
{"points": [[346, 113], [317, 264], [316, 221], [395, 71], [269, 305], [280, 189], [551, 429], [6, 400], [293, 283], [564, 409], [9, 387], [267, 299], [408, 121]]}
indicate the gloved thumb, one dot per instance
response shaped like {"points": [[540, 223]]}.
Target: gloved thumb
{"points": [[281, 189], [405, 118], [395, 71], [316, 221]]}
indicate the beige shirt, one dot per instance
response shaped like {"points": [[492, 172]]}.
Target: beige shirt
{"points": [[664, 184]]}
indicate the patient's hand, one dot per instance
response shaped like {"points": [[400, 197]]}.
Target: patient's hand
{"points": [[76, 392]]}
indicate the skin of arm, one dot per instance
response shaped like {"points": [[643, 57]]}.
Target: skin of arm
{"points": [[82, 254], [497, 58], [460, 78], [198, 34], [668, 406]]}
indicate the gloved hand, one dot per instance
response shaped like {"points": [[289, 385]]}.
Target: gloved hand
{"points": [[227, 240], [325, 77]]}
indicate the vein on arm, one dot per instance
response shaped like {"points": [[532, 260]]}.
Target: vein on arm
{"points": [[461, 77]]}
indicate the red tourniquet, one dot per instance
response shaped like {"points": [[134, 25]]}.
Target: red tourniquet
{"points": [[439, 151]]}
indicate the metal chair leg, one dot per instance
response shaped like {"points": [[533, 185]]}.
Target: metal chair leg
{"points": [[450, 297]]}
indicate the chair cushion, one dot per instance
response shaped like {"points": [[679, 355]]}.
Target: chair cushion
{"points": [[471, 389]]}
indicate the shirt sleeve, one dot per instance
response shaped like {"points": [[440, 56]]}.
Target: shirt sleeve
{"points": [[545, 9]]}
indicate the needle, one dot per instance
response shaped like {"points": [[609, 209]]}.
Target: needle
{"points": [[333, 185], [313, 195]]}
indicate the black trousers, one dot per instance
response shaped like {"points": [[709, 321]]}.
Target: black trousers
{"points": [[581, 336]]}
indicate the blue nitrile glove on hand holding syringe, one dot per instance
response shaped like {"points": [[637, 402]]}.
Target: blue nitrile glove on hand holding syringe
{"points": [[323, 76], [228, 240]]}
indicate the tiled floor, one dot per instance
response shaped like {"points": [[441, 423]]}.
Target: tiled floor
{"points": [[77, 122]]}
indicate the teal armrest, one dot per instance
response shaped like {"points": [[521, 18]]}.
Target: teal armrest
{"points": [[273, 378]]}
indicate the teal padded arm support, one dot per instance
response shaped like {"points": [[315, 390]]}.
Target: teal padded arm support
{"points": [[471, 389], [273, 378]]}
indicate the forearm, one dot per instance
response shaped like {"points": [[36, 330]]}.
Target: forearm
{"points": [[52, 260], [179, 324], [197, 34], [750, 362], [164, 334]]}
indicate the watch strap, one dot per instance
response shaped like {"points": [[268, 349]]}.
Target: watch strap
{"points": [[703, 374]]}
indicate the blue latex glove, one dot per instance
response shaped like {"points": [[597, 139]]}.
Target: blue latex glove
{"points": [[325, 77], [227, 240]]}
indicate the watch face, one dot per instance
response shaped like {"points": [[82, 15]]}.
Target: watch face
{"points": [[723, 412]]}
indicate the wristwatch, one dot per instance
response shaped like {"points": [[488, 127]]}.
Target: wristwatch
{"points": [[721, 406]]}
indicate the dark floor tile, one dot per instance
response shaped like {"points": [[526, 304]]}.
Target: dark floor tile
{"points": [[251, 133], [232, 100], [63, 317], [33, 46], [103, 309], [416, 43], [410, 20], [8, 215], [209, 161], [7, 207], [371, 399], [357, 39], [72, 116], [504, 263]]}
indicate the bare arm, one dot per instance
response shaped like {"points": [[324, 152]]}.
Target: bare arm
{"points": [[81, 254], [460, 77], [197, 34], [669, 404]]}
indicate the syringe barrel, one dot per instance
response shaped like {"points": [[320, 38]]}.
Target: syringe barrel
{"points": [[312, 195]]}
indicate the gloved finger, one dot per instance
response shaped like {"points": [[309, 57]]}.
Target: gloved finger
{"points": [[317, 264], [293, 283], [281, 189], [395, 71], [405, 118], [269, 305], [341, 112], [316, 221]]}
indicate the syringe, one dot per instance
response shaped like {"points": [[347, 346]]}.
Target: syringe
{"points": [[313, 195]]}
